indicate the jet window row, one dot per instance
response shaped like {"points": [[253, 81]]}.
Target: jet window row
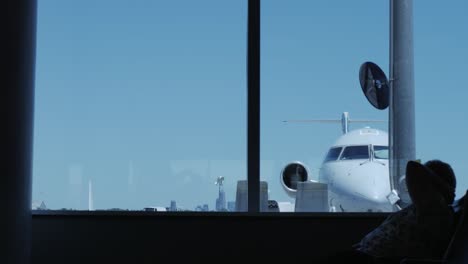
{"points": [[357, 152]]}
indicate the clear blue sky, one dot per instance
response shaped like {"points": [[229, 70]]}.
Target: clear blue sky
{"points": [[148, 98]]}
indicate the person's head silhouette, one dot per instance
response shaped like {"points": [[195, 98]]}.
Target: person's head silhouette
{"points": [[444, 171], [437, 175]]}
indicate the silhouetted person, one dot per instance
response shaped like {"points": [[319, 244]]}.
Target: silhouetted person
{"points": [[421, 230]]}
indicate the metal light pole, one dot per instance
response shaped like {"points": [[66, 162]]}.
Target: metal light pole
{"points": [[401, 108]]}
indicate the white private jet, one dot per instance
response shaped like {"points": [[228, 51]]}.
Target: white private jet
{"points": [[355, 170]]}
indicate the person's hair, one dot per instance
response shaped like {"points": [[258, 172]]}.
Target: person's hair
{"points": [[444, 171]]}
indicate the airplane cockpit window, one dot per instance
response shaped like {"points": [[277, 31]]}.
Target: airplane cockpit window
{"points": [[355, 152], [380, 152], [333, 154]]}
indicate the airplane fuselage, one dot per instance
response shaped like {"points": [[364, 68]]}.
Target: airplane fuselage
{"points": [[356, 170]]}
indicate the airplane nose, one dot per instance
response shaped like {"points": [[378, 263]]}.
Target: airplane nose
{"points": [[375, 185], [379, 197], [376, 196]]}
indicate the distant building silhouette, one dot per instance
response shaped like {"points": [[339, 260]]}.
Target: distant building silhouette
{"points": [[38, 206], [221, 200], [231, 206], [90, 196], [173, 206]]}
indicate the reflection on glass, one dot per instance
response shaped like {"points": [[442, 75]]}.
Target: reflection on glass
{"points": [[311, 55], [145, 102]]}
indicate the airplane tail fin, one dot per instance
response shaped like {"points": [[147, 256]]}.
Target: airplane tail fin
{"points": [[345, 120]]}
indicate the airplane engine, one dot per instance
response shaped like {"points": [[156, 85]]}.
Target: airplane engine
{"points": [[292, 174]]}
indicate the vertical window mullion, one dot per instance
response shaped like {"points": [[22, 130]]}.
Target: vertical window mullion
{"points": [[253, 105]]}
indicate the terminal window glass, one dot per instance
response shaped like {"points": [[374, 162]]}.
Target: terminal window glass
{"points": [[139, 105]]}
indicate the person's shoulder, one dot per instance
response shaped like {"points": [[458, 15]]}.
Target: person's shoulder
{"points": [[440, 216], [406, 212], [438, 206]]}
